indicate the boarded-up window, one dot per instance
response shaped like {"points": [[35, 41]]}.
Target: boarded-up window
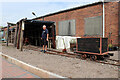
{"points": [[93, 26], [66, 28]]}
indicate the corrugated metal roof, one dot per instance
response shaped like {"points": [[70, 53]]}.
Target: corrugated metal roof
{"points": [[39, 21]]}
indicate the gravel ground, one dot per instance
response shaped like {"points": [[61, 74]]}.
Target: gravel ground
{"points": [[64, 66]]}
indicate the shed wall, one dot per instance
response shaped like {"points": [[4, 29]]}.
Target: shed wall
{"points": [[79, 15]]}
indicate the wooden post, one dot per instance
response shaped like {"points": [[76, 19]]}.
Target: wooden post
{"points": [[21, 37], [53, 36], [18, 37], [16, 34], [7, 33], [15, 38], [11, 36]]}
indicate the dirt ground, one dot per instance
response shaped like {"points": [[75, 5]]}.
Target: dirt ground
{"points": [[64, 66]]}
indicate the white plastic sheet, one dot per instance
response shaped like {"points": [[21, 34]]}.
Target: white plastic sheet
{"points": [[60, 42]]}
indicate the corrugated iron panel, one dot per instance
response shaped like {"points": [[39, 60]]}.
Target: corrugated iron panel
{"points": [[67, 28], [93, 25]]}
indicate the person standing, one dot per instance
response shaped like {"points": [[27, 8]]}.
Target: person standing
{"points": [[45, 36]]}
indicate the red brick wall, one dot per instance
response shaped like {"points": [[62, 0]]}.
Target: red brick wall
{"points": [[111, 18], [78, 15], [119, 25], [111, 21]]}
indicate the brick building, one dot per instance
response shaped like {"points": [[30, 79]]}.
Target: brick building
{"points": [[87, 20]]}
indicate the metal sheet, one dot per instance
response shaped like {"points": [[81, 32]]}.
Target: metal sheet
{"points": [[66, 28], [92, 44], [93, 26]]}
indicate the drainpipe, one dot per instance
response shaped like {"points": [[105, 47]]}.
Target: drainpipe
{"points": [[103, 20]]}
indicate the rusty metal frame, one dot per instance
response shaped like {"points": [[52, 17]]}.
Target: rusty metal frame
{"points": [[81, 52], [92, 53], [100, 45]]}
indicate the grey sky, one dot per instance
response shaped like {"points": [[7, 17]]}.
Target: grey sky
{"points": [[14, 11]]}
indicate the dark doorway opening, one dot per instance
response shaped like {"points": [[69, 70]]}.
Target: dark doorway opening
{"points": [[33, 32]]}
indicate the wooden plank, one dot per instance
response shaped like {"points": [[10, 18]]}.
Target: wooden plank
{"points": [[21, 40], [11, 36], [54, 36], [21, 37], [18, 36], [7, 34], [15, 38]]}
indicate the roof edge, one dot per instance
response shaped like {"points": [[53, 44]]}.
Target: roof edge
{"points": [[70, 9]]}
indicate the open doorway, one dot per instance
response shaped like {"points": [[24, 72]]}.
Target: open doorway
{"points": [[33, 32]]}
